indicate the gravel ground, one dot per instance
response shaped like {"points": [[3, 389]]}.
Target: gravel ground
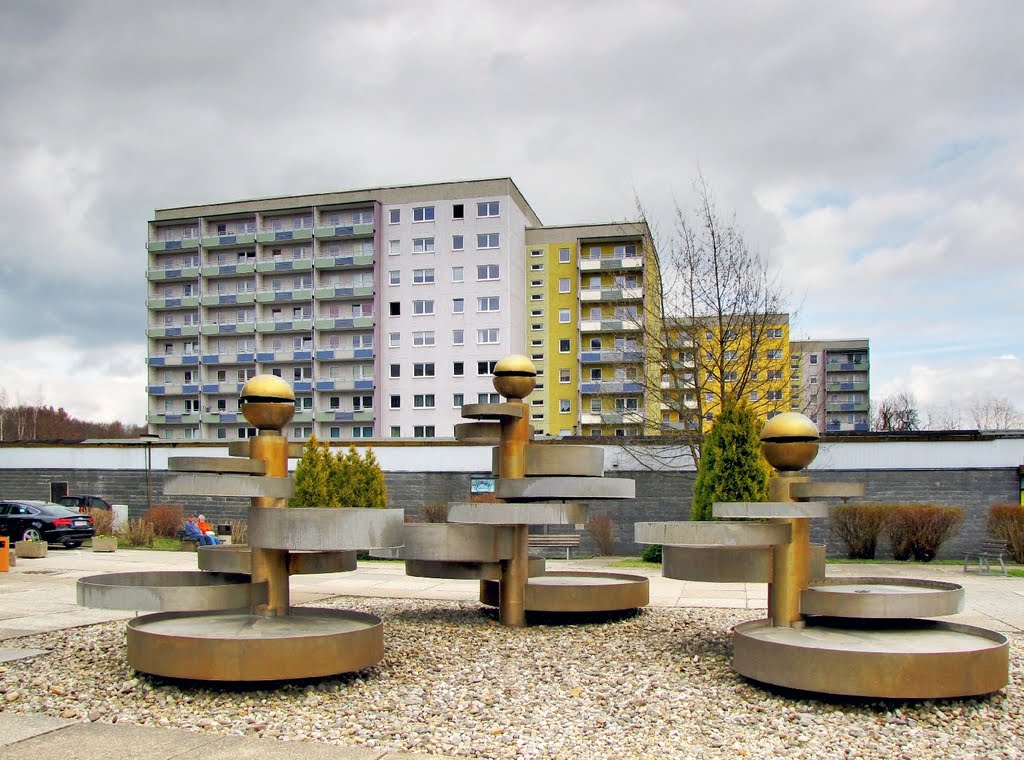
{"points": [[657, 684]]}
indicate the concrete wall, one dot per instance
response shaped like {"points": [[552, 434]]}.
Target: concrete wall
{"points": [[659, 496]]}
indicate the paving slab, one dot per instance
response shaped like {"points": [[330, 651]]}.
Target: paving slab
{"points": [[10, 654], [16, 728]]}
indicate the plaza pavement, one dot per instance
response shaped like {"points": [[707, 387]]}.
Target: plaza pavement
{"points": [[39, 595]]}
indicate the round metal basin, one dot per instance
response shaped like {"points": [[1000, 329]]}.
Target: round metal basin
{"points": [[906, 659], [882, 598], [308, 642], [577, 592], [170, 590]]}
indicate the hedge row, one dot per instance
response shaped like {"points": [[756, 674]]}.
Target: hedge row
{"points": [[913, 530], [1006, 522]]}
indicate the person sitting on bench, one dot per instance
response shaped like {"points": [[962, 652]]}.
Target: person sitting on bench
{"points": [[192, 530]]}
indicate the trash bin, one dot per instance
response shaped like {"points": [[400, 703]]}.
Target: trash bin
{"points": [[5, 554], [224, 533]]}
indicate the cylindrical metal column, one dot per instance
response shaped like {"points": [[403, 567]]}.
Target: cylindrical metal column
{"points": [[271, 565], [790, 562], [515, 435]]}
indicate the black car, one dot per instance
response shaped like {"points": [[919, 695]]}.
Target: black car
{"points": [[44, 521], [84, 503]]}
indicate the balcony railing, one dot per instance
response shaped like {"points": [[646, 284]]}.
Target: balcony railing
{"points": [[840, 387], [610, 261], [610, 356], [611, 386], [285, 235], [344, 323], [344, 261], [173, 331], [338, 292], [851, 406], [297, 324], [233, 238], [363, 384], [174, 244], [343, 354], [226, 299], [172, 302], [854, 366], [278, 296], [611, 294], [611, 325], [173, 272], [340, 415], [335, 231], [302, 264], [228, 328], [225, 270]]}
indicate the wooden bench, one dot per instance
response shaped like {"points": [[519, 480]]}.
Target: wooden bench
{"points": [[547, 541], [990, 550]]}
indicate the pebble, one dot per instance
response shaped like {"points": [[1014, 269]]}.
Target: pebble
{"points": [[657, 684]]}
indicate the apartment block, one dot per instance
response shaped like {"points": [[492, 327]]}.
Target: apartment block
{"points": [[831, 383]]}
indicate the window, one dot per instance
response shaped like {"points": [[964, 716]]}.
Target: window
{"points": [[423, 214], [394, 247], [395, 402], [564, 405], [563, 346], [536, 267], [488, 335], [361, 403], [422, 276], [458, 337], [423, 431], [774, 395], [485, 368], [395, 308], [423, 401], [774, 332], [596, 373], [487, 303], [458, 399], [487, 240], [537, 252], [487, 208], [814, 381], [813, 358], [563, 255], [395, 370], [458, 211], [423, 369], [423, 245], [394, 216], [774, 353], [457, 274], [458, 305], [423, 308], [564, 376], [537, 284], [487, 272], [753, 396], [458, 369], [395, 277], [396, 431], [563, 285], [457, 243], [775, 374], [488, 398], [362, 432], [394, 339], [564, 316], [423, 338], [731, 376]]}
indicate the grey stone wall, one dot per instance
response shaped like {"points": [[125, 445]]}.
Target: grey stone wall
{"points": [[659, 496]]}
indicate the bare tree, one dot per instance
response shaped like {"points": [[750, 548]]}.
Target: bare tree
{"points": [[897, 413], [944, 417], [989, 412], [715, 326]]}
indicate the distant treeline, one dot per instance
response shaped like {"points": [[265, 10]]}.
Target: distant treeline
{"points": [[44, 423]]}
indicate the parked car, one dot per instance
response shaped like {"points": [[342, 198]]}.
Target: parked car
{"points": [[84, 503], [44, 521]]}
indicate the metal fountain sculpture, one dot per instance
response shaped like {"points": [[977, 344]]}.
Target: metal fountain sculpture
{"points": [[861, 637]]}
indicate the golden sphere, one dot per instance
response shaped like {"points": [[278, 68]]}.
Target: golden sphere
{"points": [[515, 376], [267, 402], [789, 441]]}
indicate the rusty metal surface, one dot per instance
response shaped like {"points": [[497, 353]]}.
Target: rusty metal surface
{"points": [[909, 659], [205, 484], [694, 533], [236, 558], [325, 529], [528, 513], [169, 590], [220, 465], [882, 598], [578, 592], [308, 642]]}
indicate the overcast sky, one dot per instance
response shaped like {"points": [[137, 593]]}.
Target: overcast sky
{"points": [[874, 150]]}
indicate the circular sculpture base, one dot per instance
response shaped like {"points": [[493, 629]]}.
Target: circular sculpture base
{"points": [[165, 590], [577, 592], [424, 568], [882, 598], [309, 642], [729, 564], [906, 659]]}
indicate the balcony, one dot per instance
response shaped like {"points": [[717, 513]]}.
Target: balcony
{"points": [[850, 406], [227, 299], [172, 302], [174, 331], [612, 418], [187, 418], [834, 426], [854, 366], [610, 262], [221, 389], [181, 244], [336, 293], [284, 236], [237, 358], [611, 386], [611, 325], [608, 295], [221, 418], [295, 325], [343, 354], [305, 415], [841, 387], [229, 328], [344, 323], [172, 360], [345, 261], [285, 356], [226, 270], [337, 415], [285, 265], [284, 296], [334, 232], [237, 238], [613, 356], [169, 274], [345, 385], [190, 389]]}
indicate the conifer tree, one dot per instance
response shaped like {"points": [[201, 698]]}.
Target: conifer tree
{"points": [[732, 467], [375, 492], [313, 476]]}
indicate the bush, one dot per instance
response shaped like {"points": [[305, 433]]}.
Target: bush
{"points": [[920, 530], [239, 531], [857, 526], [731, 465], [166, 519], [102, 521], [138, 533], [602, 531], [343, 480], [652, 553], [1006, 522], [435, 512]]}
